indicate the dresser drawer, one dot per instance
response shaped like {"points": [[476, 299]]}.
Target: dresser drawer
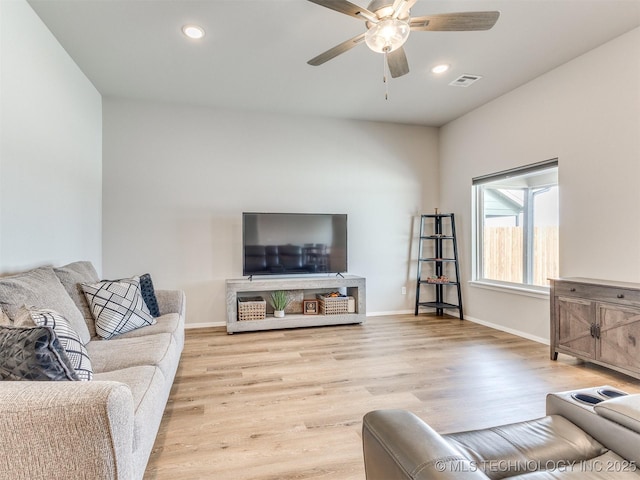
{"points": [[572, 289], [597, 293]]}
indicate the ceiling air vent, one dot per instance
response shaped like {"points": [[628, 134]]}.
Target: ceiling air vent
{"points": [[465, 80]]}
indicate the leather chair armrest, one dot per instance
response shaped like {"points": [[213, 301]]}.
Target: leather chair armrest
{"points": [[399, 445], [610, 433], [623, 410]]}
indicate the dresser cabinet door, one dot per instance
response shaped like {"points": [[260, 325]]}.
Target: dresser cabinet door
{"points": [[619, 331], [575, 319]]}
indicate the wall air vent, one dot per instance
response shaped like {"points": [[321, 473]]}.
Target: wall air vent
{"points": [[465, 80]]}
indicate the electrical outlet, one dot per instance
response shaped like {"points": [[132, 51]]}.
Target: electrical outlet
{"points": [[404, 290]]}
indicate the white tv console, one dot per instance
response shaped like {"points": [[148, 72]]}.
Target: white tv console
{"points": [[352, 285]]}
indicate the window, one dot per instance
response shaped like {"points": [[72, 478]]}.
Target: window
{"points": [[516, 226]]}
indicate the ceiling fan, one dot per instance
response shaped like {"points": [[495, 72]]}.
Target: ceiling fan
{"points": [[389, 23]]}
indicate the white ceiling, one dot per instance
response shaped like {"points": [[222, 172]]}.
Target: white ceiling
{"points": [[254, 54]]}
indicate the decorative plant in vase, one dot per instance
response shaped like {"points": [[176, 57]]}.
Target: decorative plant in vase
{"points": [[279, 301]]}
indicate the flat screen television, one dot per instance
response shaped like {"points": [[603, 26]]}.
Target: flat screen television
{"points": [[293, 243]]}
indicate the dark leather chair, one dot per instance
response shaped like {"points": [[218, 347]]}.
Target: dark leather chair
{"points": [[290, 257], [255, 259]]}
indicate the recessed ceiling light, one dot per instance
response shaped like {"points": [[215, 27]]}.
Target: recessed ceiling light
{"points": [[440, 68], [193, 31]]}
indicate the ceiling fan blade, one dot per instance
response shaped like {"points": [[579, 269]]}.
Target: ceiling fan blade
{"points": [[348, 8], [455, 22], [337, 50], [397, 61], [400, 7]]}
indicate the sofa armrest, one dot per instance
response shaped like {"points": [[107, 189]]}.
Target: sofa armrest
{"points": [[171, 301], [399, 445], [65, 430], [613, 435]]}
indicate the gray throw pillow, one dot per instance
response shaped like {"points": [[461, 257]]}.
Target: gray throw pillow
{"points": [[41, 288], [72, 276], [33, 353]]}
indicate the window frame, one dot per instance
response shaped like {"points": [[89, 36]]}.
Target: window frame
{"points": [[477, 247]]}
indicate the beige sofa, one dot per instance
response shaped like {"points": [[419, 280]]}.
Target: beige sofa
{"points": [[576, 440], [99, 429]]}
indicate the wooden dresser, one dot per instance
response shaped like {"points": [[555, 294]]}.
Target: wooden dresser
{"points": [[597, 321]]}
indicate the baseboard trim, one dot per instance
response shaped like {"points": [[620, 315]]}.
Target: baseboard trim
{"points": [[513, 331], [189, 326], [392, 312], [502, 328]]}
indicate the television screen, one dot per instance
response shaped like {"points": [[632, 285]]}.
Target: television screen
{"points": [[294, 243]]}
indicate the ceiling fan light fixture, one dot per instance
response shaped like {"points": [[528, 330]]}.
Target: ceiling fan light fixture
{"points": [[387, 35], [193, 31]]}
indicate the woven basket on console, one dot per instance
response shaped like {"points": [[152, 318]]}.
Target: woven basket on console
{"points": [[251, 308], [333, 305]]}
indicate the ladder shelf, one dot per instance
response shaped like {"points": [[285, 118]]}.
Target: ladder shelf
{"points": [[440, 258]]}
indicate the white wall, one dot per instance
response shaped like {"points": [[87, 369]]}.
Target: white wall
{"points": [[586, 113], [177, 178], [50, 149]]}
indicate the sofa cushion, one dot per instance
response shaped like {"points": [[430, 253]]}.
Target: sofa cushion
{"points": [[623, 410], [67, 336], [148, 386], [159, 350], [117, 306], [170, 323], [33, 353], [41, 288], [72, 276]]}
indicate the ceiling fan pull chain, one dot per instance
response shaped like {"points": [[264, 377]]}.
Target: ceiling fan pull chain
{"points": [[384, 75]]}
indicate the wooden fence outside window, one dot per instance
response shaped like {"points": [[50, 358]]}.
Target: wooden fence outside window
{"points": [[503, 255]]}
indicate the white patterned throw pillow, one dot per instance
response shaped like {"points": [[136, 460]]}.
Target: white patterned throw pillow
{"points": [[67, 336], [117, 306]]}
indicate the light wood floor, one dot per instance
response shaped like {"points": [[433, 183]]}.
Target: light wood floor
{"points": [[288, 404]]}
